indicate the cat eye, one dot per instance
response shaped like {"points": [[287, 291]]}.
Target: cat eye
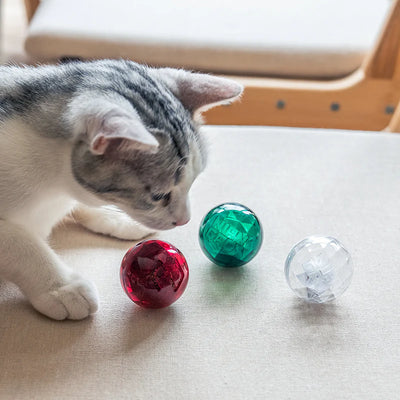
{"points": [[157, 196], [162, 196]]}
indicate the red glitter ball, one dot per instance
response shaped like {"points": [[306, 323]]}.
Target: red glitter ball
{"points": [[154, 274]]}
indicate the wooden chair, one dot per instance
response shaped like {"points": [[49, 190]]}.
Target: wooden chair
{"points": [[367, 99]]}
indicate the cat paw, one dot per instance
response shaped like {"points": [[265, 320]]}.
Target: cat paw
{"points": [[110, 221], [75, 300], [131, 230]]}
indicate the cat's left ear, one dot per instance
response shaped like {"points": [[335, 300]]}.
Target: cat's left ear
{"points": [[199, 92], [117, 129]]}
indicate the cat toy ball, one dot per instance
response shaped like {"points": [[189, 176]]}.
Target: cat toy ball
{"points": [[319, 269], [154, 274], [230, 235]]}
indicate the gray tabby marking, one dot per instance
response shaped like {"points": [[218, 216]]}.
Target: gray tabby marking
{"points": [[34, 94]]}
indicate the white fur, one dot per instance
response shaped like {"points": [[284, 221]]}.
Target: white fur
{"points": [[111, 221], [31, 203]]}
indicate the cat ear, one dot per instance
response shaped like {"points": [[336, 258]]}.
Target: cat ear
{"points": [[199, 92], [123, 129]]}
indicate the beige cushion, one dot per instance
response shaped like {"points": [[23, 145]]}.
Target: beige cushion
{"points": [[236, 334], [287, 37]]}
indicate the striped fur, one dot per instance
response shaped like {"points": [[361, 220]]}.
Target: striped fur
{"points": [[83, 135], [51, 101]]}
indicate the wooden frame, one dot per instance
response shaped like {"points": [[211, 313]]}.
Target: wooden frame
{"points": [[368, 99], [30, 8]]}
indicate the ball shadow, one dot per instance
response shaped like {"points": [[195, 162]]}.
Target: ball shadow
{"points": [[227, 286], [143, 324], [321, 327], [314, 313]]}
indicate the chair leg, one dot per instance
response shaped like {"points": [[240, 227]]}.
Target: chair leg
{"points": [[30, 8], [384, 61], [394, 124]]}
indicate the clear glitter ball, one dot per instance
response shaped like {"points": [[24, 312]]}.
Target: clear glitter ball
{"points": [[319, 269]]}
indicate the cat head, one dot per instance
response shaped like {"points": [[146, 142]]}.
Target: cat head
{"points": [[138, 144]]}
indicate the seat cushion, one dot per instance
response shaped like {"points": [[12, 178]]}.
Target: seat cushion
{"points": [[285, 38]]}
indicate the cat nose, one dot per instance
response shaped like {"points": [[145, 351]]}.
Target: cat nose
{"points": [[182, 214], [181, 222]]}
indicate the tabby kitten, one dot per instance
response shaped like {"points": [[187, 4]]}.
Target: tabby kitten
{"points": [[81, 136]]}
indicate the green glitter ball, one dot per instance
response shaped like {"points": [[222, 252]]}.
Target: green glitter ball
{"points": [[230, 235]]}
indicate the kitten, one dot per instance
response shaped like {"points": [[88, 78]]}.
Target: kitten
{"points": [[79, 136]]}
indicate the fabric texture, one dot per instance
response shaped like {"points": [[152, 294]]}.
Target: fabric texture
{"points": [[236, 333], [286, 38]]}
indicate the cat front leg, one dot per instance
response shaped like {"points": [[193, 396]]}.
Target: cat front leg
{"points": [[110, 221], [52, 288]]}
